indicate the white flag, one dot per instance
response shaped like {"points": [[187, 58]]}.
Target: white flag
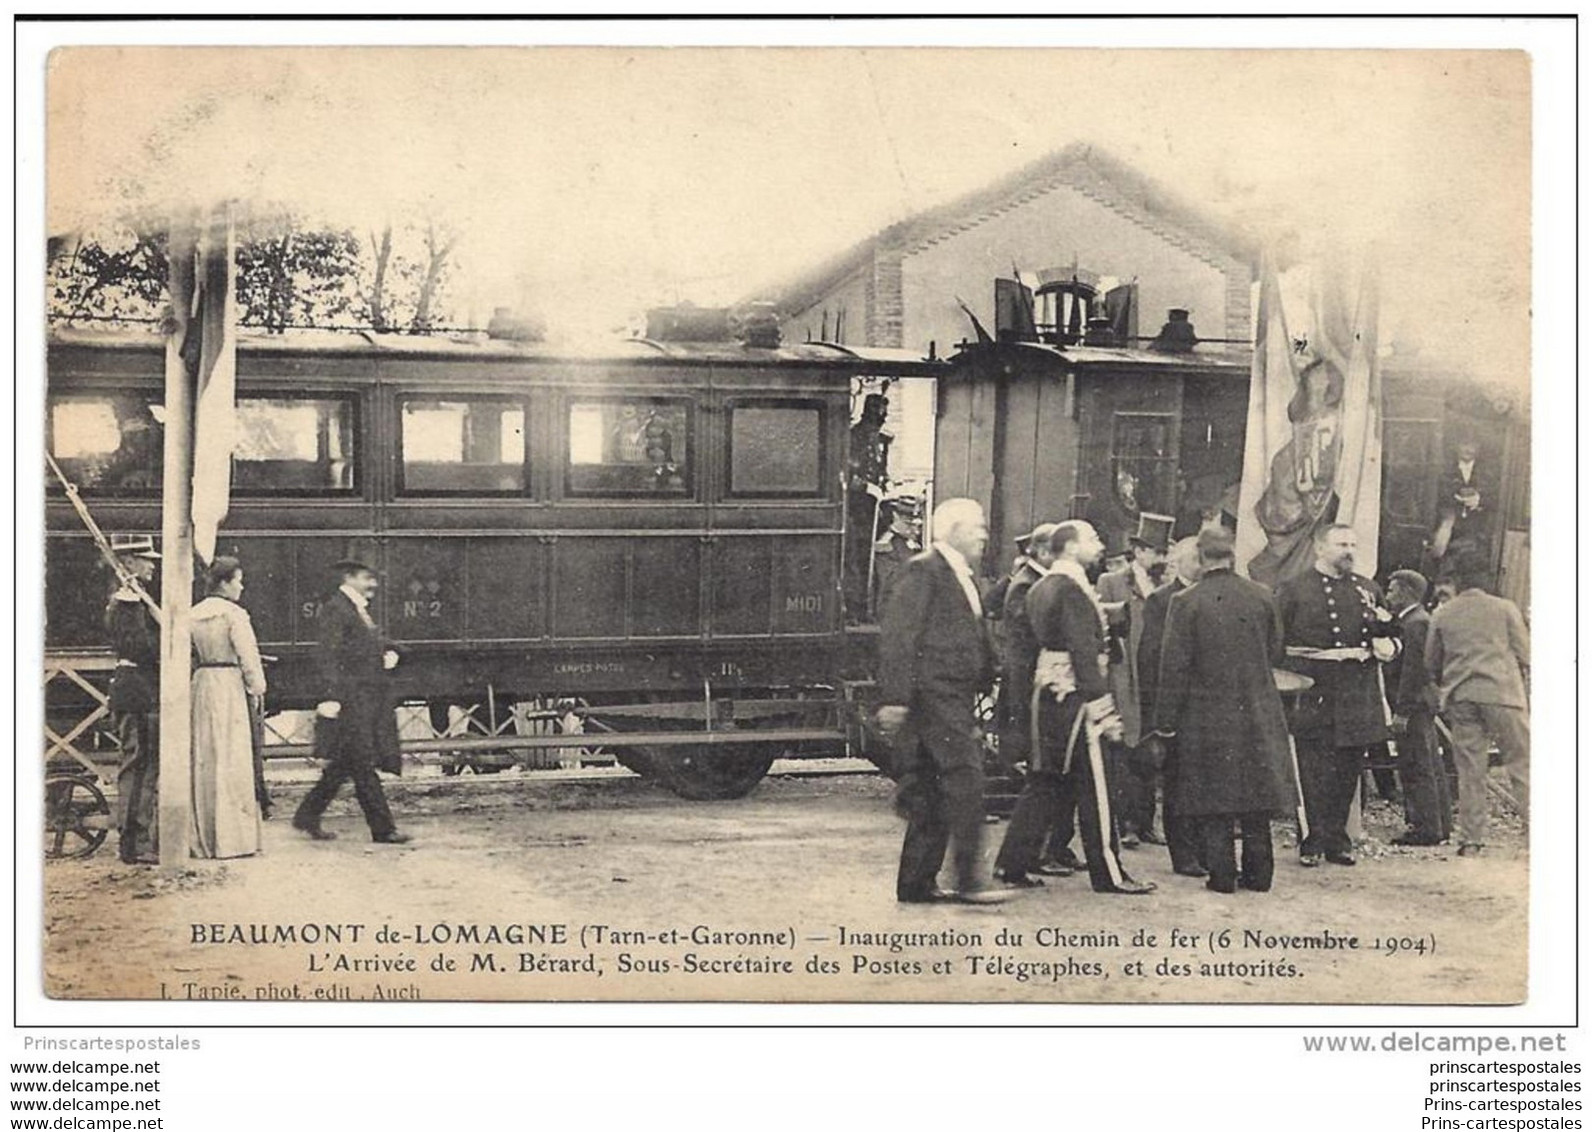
{"points": [[213, 321]]}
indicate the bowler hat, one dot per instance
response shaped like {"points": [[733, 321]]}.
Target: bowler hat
{"points": [[352, 566]]}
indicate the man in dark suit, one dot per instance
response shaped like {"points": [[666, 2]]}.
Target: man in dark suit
{"points": [[1338, 633], [1182, 833], [1074, 714], [934, 660], [1427, 807], [355, 717], [1218, 699]]}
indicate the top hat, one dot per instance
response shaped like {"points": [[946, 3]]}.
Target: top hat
{"points": [[134, 546]]}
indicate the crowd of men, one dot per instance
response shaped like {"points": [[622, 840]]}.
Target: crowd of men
{"points": [[1174, 678]]}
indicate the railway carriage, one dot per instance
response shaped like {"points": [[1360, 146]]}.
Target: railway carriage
{"points": [[648, 537]]}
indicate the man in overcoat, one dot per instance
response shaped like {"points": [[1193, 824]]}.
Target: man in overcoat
{"points": [[1337, 632], [1182, 834], [1074, 714], [1427, 806], [1218, 699], [355, 715], [934, 661]]}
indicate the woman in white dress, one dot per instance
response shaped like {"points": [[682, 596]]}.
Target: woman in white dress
{"points": [[226, 814]]}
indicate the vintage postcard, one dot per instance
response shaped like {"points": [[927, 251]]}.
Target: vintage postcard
{"points": [[552, 524]]}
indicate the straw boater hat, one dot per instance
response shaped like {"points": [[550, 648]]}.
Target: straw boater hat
{"points": [[134, 546]]}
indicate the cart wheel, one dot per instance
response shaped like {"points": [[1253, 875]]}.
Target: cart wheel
{"points": [[712, 774], [77, 818]]}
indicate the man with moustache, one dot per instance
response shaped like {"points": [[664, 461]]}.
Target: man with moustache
{"points": [[934, 661], [1074, 714], [356, 711], [1338, 633]]}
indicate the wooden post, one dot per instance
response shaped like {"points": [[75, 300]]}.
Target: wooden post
{"points": [[176, 583]]}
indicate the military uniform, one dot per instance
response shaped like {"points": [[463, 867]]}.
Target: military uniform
{"points": [[1072, 707], [1344, 711], [135, 712]]}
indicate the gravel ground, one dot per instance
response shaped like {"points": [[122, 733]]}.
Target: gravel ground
{"points": [[546, 872]]}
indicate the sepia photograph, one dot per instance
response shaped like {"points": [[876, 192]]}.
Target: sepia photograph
{"points": [[785, 524]]}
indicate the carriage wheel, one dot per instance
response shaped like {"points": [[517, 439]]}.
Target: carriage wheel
{"points": [[712, 774], [77, 817], [638, 760]]}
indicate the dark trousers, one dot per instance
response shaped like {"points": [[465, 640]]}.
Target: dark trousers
{"points": [[1063, 827], [138, 786], [940, 792], [1256, 864], [1328, 776], [1183, 836], [1428, 806], [1048, 789], [1132, 790], [367, 789]]}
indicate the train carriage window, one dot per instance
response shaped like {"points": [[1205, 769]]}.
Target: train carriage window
{"points": [[108, 442], [1143, 463], [462, 446], [630, 447], [776, 448], [294, 445]]}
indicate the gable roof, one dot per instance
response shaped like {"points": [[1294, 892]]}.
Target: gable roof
{"points": [[1083, 167]]}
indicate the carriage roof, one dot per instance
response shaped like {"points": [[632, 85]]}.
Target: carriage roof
{"points": [[478, 347]]}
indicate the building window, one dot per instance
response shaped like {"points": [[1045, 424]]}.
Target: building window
{"points": [[1143, 463], [1062, 311], [462, 446], [294, 445], [776, 448], [629, 447], [108, 442]]}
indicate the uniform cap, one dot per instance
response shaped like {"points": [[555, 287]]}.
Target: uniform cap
{"points": [[134, 546]]}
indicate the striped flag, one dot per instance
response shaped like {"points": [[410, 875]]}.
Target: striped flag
{"points": [[1313, 446], [210, 353]]}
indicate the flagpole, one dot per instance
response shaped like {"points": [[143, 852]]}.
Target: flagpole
{"points": [[176, 533]]}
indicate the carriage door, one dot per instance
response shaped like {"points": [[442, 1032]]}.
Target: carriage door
{"points": [[1410, 457], [1128, 458]]}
